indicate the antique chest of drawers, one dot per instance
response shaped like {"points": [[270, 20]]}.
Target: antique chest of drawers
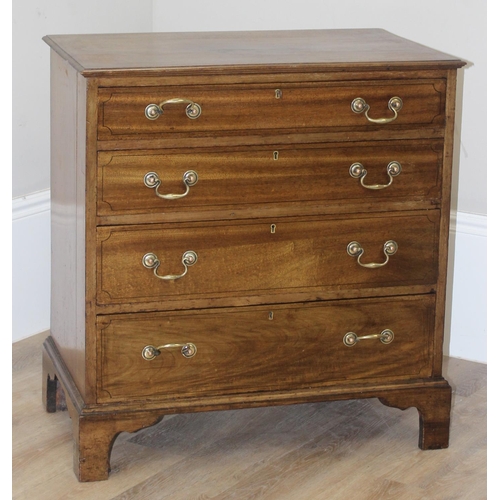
{"points": [[246, 219]]}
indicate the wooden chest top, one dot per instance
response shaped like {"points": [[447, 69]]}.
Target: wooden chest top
{"points": [[100, 55]]}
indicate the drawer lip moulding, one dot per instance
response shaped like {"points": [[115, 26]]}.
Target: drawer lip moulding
{"points": [[271, 257], [245, 109], [276, 175], [258, 349]]}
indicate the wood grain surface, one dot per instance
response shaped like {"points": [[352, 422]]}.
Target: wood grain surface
{"points": [[272, 175], [245, 109], [104, 54], [260, 349], [249, 259], [68, 214]]}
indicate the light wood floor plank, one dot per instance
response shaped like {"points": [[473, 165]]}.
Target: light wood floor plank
{"points": [[353, 450]]}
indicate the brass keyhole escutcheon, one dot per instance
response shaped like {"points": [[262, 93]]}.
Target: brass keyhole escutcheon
{"points": [[273, 228]]}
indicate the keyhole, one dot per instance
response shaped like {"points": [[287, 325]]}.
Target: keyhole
{"points": [[276, 155], [271, 316], [273, 228]]}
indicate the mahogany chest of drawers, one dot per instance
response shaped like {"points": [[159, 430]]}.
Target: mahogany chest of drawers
{"points": [[246, 219]]}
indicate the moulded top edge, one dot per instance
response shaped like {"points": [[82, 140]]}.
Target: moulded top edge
{"points": [[250, 51]]}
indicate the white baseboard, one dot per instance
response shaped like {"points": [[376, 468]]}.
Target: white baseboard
{"points": [[466, 336], [468, 322], [30, 265]]}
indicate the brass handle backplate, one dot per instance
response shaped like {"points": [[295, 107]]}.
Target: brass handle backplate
{"points": [[358, 171], [354, 249], [151, 261], [359, 105], [188, 350], [386, 337], [152, 180], [154, 111]]}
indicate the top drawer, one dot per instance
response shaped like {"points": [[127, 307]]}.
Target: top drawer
{"points": [[233, 109]]}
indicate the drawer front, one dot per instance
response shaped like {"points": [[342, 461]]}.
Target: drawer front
{"points": [[271, 257], [278, 107], [263, 349], [271, 175]]}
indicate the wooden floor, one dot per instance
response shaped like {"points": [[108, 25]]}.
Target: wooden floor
{"points": [[353, 450]]}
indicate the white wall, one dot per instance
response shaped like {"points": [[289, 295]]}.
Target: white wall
{"points": [[466, 321], [31, 20], [458, 28], [30, 264]]}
